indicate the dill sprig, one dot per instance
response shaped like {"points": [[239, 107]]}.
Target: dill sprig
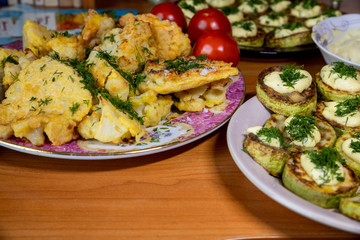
{"points": [[275, 15], [81, 66], [134, 79], [327, 161], [355, 145], [348, 106], [228, 10], [292, 26], [186, 6], [246, 25], [344, 70], [9, 59], [255, 2], [290, 75], [301, 127], [271, 133], [181, 65]]}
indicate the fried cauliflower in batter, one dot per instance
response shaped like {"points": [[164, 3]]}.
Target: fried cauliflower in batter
{"points": [[130, 79], [47, 97]]}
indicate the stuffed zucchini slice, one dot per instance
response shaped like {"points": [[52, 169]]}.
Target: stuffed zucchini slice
{"points": [[344, 115], [287, 90], [350, 206], [338, 81], [246, 33], [266, 147], [289, 35], [303, 132], [348, 145], [320, 177], [270, 21]]}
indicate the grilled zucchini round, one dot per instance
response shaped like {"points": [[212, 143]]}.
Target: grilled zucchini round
{"points": [[272, 159], [350, 206], [351, 155], [287, 104], [297, 180]]}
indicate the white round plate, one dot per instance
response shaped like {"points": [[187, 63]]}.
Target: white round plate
{"points": [[253, 113], [182, 130]]}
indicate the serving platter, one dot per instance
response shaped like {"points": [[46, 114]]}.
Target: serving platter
{"points": [[253, 113], [184, 129]]}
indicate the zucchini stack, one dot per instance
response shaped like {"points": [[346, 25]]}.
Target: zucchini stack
{"points": [[312, 139]]}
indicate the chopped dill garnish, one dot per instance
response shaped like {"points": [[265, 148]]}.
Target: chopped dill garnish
{"points": [[344, 70], [275, 15], [292, 26], [246, 25], [327, 161], [254, 2], [111, 38], [42, 67], [74, 108], [90, 84], [134, 79], [32, 99], [308, 4], [348, 106], [355, 145], [301, 127], [186, 6], [230, 10], [44, 102], [271, 133], [9, 59], [290, 75], [181, 65]]}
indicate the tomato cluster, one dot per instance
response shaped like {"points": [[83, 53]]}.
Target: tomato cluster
{"points": [[209, 31]]}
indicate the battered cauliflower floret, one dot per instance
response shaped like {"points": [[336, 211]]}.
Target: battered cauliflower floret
{"points": [[216, 92], [153, 108], [4, 58], [132, 46], [35, 38], [11, 72], [52, 101], [169, 38], [106, 76], [191, 100], [96, 26], [67, 46], [107, 124]]}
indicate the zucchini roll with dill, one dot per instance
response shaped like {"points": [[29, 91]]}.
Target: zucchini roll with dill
{"points": [[287, 90], [267, 147], [338, 81], [320, 177]]}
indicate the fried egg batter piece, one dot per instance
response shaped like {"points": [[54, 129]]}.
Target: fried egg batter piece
{"points": [[165, 81], [47, 97]]}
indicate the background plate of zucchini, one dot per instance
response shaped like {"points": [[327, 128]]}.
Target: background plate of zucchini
{"points": [[253, 113]]}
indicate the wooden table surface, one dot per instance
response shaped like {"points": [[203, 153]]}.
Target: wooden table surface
{"points": [[192, 192]]}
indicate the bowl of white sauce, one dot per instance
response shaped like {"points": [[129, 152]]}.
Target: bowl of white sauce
{"points": [[338, 39]]}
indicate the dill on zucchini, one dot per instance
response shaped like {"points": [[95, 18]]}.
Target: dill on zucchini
{"points": [[291, 74], [271, 133], [301, 127], [355, 145], [327, 161], [348, 106], [344, 70]]}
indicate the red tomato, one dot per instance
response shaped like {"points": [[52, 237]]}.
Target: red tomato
{"points": [[172, 12], [217, 45], [207, 19]]}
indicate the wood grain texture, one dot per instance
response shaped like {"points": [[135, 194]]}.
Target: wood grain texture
{"points": [[192, 192]]}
